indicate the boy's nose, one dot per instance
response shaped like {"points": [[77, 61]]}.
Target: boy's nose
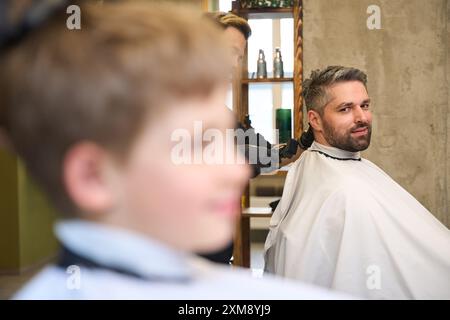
{"points": [[238, 173]]}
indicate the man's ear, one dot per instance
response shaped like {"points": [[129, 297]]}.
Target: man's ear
{"points": [[85, 179], [315, 120]]}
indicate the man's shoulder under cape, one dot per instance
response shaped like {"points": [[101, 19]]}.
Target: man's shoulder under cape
{"points": [[338, 219]]}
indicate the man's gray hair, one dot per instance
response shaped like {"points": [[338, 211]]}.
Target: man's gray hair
{"points": [[315, 88]]}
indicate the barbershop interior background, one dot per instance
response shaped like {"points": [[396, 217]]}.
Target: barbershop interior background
{"points": [[407, 61]]}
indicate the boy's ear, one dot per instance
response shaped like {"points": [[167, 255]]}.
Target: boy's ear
{"points": [[85, 180], [5, 143], [315, 120]]}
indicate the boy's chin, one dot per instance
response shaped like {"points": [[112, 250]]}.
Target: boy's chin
{"points": [[216, 241]]}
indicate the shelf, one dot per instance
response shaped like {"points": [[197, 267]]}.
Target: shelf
{"points": [[242, 94], [267, 80], [278, 173], [256, 212], [266, 13]]}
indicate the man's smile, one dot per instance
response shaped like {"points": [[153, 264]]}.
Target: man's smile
{"points": [[360, 131]]}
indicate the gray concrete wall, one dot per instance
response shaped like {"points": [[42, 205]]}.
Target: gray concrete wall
{"points": [[407, 64], [448, 113]]}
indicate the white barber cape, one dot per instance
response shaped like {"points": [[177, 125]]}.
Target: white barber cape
{"points": [[344, 224]]}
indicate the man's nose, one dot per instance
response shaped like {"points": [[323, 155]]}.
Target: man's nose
{"points": [[360, 114]]}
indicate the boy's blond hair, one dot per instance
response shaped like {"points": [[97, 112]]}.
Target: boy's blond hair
{"points": [[102, 83]]}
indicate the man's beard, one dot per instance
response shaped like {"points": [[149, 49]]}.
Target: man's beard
{"points": [[346, 141]]}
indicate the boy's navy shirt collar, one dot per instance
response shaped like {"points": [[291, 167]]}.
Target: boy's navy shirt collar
{"points": [[122, 249]]}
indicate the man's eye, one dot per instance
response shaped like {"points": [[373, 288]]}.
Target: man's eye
{"points": [[344, 109], [365, 106]]}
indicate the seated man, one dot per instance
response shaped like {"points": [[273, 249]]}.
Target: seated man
{"points": [[93, 114], [342, 222]]}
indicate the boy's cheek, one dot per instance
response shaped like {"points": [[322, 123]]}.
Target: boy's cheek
{"points": [[177, 188]]}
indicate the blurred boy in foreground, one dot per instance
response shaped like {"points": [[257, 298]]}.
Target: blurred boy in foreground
{"points": [[93, 113]]}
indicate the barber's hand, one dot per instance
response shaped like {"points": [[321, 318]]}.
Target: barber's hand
{"points": [[286, 161]]}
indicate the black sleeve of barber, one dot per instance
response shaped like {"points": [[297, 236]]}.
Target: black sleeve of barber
{"points": [[257, 150]]}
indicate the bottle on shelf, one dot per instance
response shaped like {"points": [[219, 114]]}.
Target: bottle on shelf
{"points": [[261, 71], [278, 71], [252, 4], [283, 125]]}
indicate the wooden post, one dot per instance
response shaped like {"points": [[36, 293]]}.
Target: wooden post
{"points": [[298, 68]]}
